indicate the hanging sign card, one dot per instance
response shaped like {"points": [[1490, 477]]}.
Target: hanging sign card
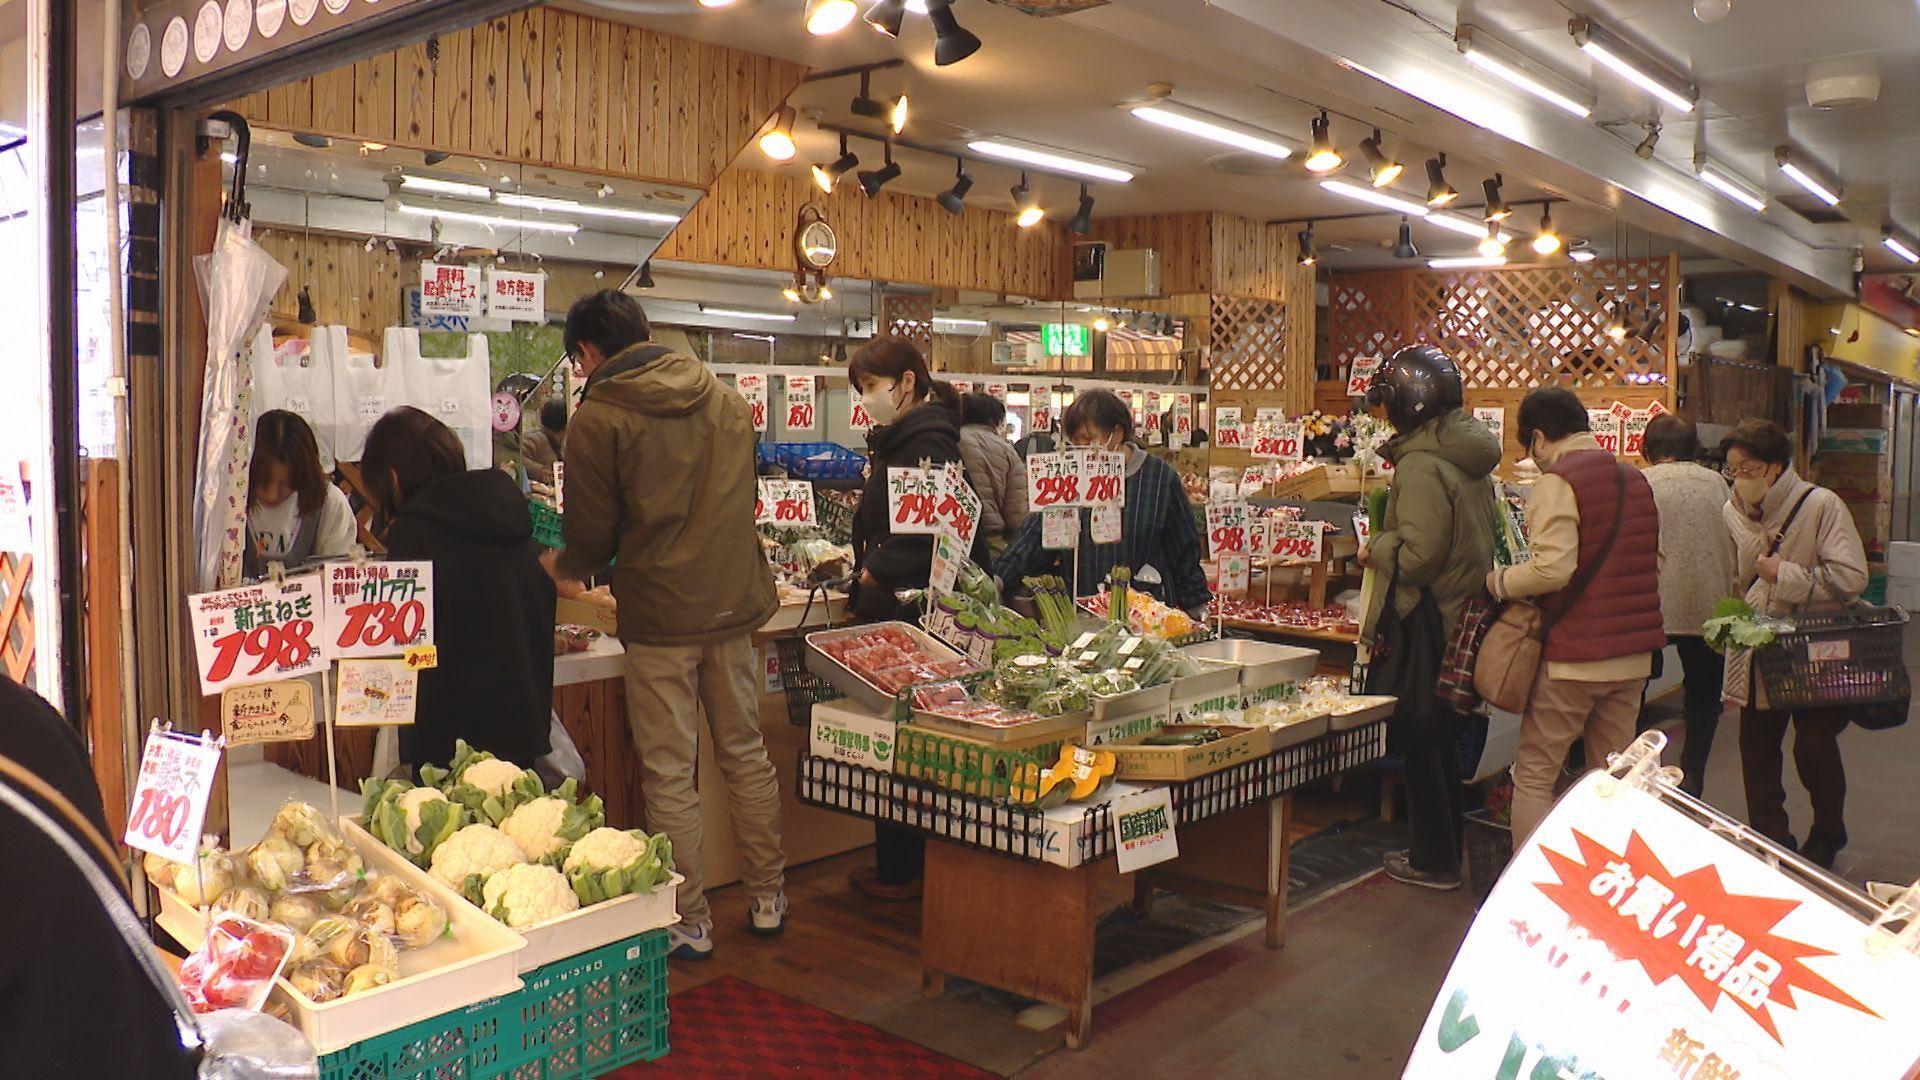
{"points": [[913, 500], [1297, 541], [1059, 528], [753, 387], [378, 608], [1104, 524], [857, 417], [516, 296], [1236, 573], [447, 289], [1143, 831], [1040, 416], [801, 395], [258, 633], [1226, 426], [1496, 421], [169, 802], [787, 503], [1633, 431], [376, 693], [1606, 429], [270, 712], [1360, 375], [997, 389], [1227, 528], [1052, 480], [959, 507], [1103, 476]]}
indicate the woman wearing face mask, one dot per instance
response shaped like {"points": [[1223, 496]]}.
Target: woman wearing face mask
{"points": [[1795, 549], [1158, 541], [293, 514]]}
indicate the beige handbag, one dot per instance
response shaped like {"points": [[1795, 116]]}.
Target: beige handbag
{"points": [[1508, 663]]}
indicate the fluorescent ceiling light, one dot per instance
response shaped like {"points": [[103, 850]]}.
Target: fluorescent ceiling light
{"points": [[1750, 307], [959, 324], [754, 337], [1388, 199], [1728, 183], [1454, 223], [1467, 262], [1823, 190], [1500, 60], [737, 313], [1613, 53], [568, 206], [564, 228], [445, 187], [1899, 247], [1047, 159], [1192, 121]]}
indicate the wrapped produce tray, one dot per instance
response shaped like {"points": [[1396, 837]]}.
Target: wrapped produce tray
{"points": [[856, 686]]}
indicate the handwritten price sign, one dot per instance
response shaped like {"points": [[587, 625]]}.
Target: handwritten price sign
{"points": [[913, 500], [378, 609], [1227, 529], [1278, 442], [1226, 426], [1052, 480], [1104, 524], [1633, 431], [1298, 541], [784, 502], [1606, 429], [1041, 416], [170, 797], [958, 508], [1059, 528], [753, 387], [1360, 375], [257, 633], [801, 398], [1103, 478]]}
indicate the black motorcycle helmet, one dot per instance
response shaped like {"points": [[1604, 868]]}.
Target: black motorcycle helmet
{"points": [[1415, 385]]}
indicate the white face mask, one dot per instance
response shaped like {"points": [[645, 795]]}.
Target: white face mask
{"points": [[880, 404], [1751, 489]]}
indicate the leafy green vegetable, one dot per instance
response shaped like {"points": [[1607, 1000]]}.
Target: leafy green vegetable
{"points": [[648, 870], [1735, 626]]}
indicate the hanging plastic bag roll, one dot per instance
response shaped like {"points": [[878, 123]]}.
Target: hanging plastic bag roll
{"points": [[454, 390], [363, 390], [297, 376]]}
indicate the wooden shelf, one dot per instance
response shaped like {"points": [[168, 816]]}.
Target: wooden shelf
{"points": [[1338, 637]]}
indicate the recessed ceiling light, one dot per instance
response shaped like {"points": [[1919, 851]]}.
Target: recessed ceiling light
{"points": [[1583, 255], [1050, 159], [1206, 125], [1622, 58], [1502, 61]]}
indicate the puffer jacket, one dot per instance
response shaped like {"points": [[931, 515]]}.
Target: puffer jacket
{"points": [[998, 476], [660, 482], [1823, 565], [1438, 530], [925, 433]]}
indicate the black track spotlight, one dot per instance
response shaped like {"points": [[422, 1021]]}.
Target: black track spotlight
{"points": [[1403, 246], [1307, 256], [825, 176], [872, 180], [1645, 149], [886, 15], [1082, 221], [864, 103], [952, 43], [1381, 169], [645, 280], [434, 157], [1439, 192], [1322, 155], [954, 199], [1497, 208], [1027, 210]]}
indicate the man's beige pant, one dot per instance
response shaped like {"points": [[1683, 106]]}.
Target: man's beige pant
{"points": [[1560, 711], [667, 687]]}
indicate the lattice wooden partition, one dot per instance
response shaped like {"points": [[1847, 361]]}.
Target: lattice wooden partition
{"points": [[909, 316], [16, 616], [1247, 344]]}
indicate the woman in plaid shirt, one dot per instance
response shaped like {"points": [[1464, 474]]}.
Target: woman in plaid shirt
{"points": [[1158, 540]]}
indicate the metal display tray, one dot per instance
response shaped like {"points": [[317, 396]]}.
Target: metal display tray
{"points": [[1132, 703], [1365, 711], [854, 686], [1216, 677], [1262, 663]]}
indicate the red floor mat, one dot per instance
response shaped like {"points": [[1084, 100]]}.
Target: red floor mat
{"points": [[731, 1028]]}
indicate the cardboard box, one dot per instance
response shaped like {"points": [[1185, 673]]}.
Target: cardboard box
{"points": [[1238, 744], [1871, 415], [995, 770], [844, 731], [1854, 440], [1125, 729], [581, 613]]}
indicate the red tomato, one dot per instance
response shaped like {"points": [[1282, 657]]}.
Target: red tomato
{"points": [[258, 960], [228, 990]]}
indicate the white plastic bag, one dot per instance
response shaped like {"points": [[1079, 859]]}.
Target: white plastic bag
{"points": [[297, 376], [363, 390], [454, 390]]}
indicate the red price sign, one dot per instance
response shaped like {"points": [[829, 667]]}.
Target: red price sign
{"points": [[378, 608], [1360, 375], [1052, 480], [959, 506], [784, 502], [169, 802], [1606, 429], [1280, 442], [857, 417], [801, 395], [913, 500], [753, 388], [1227, 529], [1633, 431], [258, 633], [1103, 478], [1226, 426], [1299, 541]]}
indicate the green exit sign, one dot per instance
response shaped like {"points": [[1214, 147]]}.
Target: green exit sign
{"points": [[1066, 339]]}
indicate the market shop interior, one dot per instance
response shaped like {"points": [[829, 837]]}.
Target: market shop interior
{"points": [[1122, 799]]}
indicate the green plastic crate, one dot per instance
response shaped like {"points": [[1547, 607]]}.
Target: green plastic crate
{"points": [[575, 1018], [546, 524]]}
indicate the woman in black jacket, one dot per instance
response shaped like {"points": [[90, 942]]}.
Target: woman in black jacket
{"points": [[492, 600], [916, 421]]}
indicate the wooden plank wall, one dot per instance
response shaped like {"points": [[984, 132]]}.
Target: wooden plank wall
{"points": [[351, 286], [747, 219], [1184, 241], [549, 87]]}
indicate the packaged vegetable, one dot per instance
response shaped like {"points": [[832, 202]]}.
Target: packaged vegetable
{"points": [[246, 901], [301, 824], [297, 910], [236, 964], [200, 885], [371, 912], [274, 863], [418, 921], [318, 980], [368, 977]]}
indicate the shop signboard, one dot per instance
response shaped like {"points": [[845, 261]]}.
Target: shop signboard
{"points": [[258, 633], [377, 608], [786, 503], [1066, 339], [516, 297], [270, 712], [802, 397], [169, 802], [1059, 528], [1360, 375], [913, 500], [450, 290], [1103, 524], [1627, 939], [753, 388], [1606, 429], [1226, 426], [1496, 420], [376, 693], [1143, 830], [1227, 528]]}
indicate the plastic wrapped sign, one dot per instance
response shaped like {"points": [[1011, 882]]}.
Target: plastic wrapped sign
{"points": [[913, 500], [169, 802], [1298, 541], [515, 296], [1103, 477], [258, 633], [1059, 528], [1227, 529], [378, 608], [1226, 426], [753, 387], [1052, 480], [786, 503], [1606, 429], [1360, 375], [450, 290], [801, 394]]}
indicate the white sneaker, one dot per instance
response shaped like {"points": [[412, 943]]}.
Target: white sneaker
{"points": [[690, 941], [768, 914]]}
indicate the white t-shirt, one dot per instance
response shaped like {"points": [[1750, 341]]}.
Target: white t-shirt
{"points": [[273, 528]]}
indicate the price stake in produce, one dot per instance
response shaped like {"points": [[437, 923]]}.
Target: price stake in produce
{"points": [[857, 417], [1226, 426], [1227, 528], [1143, 832], [1059, 528], [783, 502], [1052, 480], [1252, 479], [1279, 442], [258, 633], [1633, 431], [958, 508], [1298, 541], [948, 554], [913, 500], [753, 387], [378, 608], [169, 801], [801, 398], [1606, 429], [1360, 375], [1103, 477], [1223, 484], [1361, 529], [1104, 524]]}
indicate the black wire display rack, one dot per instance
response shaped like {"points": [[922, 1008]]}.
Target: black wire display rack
{"points": [[1030, 835]]}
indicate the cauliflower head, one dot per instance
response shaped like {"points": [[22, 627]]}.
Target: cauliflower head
{"points": [[546, 827], [608, 863], [606, 849], [493, 777], [474, 854], [528, 893], [410, 803]]}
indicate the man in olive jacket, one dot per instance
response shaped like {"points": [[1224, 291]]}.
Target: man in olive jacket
{"points": [[660, 482], [1436, 538]]}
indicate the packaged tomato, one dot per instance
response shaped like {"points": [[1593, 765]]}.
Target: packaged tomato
{"points": [[235, 965]]}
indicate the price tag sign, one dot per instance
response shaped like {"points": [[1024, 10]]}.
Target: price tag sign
{"points": [[1103, 477], [997, 389], [1059, 528], [1227, 529], [447, 289], [1040, 415], [270, 712], [801, 397], [169, 801], [1360, 375], [378, 608], [857, 417], [1266, 440], [948, 554], [959, 507], [1633, 431], [422, 657], [1279, 442], [376, 693], [913, 500], [1606, 429], [786, 503], [1226, 426], [962, 386], [1361, 529], [1298, 541], [1052, 480], [515, 296], [1105, 524], [1657, 409], [258, 633], [1268, 414], [1152, 408], [753, 387], [1143, 832], [1259, 537], [1496, 421], [1252, 479]]}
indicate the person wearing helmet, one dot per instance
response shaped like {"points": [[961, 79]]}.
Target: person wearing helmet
{"points": [[1433, 549]]}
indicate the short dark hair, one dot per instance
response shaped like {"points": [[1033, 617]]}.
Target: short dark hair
{"points": [[610, 320], [1762, 440], [978, 408], [1670, 438], [283, 438], [553, 414], [406, 450], [1554, 411], [1101, 410], [892, 358]]}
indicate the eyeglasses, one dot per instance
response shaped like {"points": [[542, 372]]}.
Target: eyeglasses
{"points": [[1744, 472]]}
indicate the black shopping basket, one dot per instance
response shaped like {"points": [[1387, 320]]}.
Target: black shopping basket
{"points": [[803, 688], [1835, 659]]}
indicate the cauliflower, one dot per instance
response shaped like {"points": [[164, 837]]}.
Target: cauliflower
{"points": [[410, 804], [472, 855], [493, 777], [606, 849], [545, 827], [486, 786], [607, 863], [411, 820], [527, 894]]}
